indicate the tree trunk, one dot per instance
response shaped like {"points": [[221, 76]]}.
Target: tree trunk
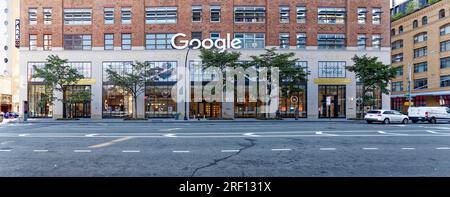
{"points": [[64, 103], [135, 115]]}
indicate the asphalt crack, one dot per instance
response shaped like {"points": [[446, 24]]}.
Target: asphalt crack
{"points": [[216, 161]]}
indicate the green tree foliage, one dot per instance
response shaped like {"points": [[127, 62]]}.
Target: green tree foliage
{"points": [[134, 80], [373, 75], [58, 76], [290, 76]]}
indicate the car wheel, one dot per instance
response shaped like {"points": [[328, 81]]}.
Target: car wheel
{"points": [[386, 121], [369, 121], [405, 121], [432, 121]]}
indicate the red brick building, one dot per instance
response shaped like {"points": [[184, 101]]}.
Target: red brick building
{"points": [[94, 34]]}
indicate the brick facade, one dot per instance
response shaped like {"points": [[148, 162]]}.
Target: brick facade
{"points": [[272, 27]]}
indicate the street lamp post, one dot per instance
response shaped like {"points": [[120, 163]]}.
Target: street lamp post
{"points": [[186, 80]]}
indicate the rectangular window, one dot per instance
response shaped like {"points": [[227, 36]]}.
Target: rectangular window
{"points": [[397, 45], [126, 42], [420, 52], [196, 13], [83, 68], [158, 41], [77, 16], [249, 14], [445, 46], [332, 69], [445, 30], [421, 67], [215, 13], [331, 41], [362, 15], [77, 42], [422, 37], [397, 58], [445, 81], [399, 72], [214, 36], [362, 41], [284, 14], [48, 16], [331, 15], [251, 40], [108, 14], [47, 42], [301, 14], [301, 40], [445, 62], [376, 16], [32, 16], [397, 86], [284, 40], [160, 15], [109, 42], [376, 41], [420, 84], [126, 15], [33, 42]]}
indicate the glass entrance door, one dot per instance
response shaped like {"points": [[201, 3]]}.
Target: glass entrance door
{"points": [[332, 101], [206, 110]]}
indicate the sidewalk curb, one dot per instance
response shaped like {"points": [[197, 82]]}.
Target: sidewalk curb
{"points": [[179, 121]]}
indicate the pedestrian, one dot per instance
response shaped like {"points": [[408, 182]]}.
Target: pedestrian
{"points": [[296, 113]]}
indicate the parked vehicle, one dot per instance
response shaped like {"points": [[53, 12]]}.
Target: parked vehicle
{"points": [[386, 117], [10, 115], [429, 114]]}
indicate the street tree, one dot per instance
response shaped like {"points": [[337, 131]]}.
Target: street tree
{"points": [[134, 80], [290, 76], [214, 58], [58, 76], [373, 75]]}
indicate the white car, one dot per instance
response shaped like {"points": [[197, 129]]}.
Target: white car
{"points": [[386, 117]]}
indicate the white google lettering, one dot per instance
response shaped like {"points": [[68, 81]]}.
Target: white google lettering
{"points": [[221, 44]]}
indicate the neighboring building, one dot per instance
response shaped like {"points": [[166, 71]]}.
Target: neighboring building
{"points": [[8, 56], [421, 43], [101, 34]]}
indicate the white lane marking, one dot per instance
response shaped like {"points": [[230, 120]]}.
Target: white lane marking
{"points": [[6, 142], [370, 148], [229, 151], [327, 148], [319, 133], [181, 151], [91, 135], [40, 151], [250, 134], [112, 142], [281, 149], [408, 149], [434, 132], [1, 150], [23, 135], [82, 151], [443, 148], [170, 135], [173, 129], [382, 132], [131, 151]]}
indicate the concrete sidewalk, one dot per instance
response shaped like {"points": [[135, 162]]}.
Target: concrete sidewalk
{"points": [[49, 120]]}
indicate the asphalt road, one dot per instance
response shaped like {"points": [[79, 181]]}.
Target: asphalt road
{"points": [[235, 149]]}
